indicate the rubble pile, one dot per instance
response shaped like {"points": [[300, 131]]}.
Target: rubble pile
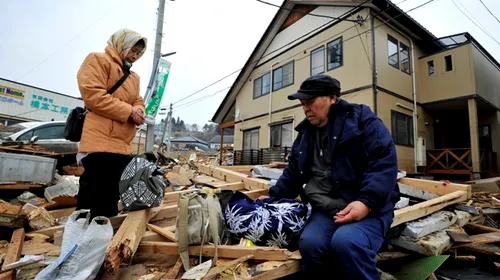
{"points": [[436, 225]]}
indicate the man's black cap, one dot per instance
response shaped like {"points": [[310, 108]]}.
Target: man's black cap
{"points": [[317, 85]]}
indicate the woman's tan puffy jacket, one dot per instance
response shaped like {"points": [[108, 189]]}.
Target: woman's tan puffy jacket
{"points": [[107, 127]]}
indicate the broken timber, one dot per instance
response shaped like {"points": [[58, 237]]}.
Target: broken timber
{"points": [[13, 253], [231, 176], [126, 240]]}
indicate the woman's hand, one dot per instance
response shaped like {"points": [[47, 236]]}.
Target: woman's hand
{"points": [[137, 115]]}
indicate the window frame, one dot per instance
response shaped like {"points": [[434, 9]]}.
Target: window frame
{"points": [[433, 68], [261, 78], [315, 51], [326, 55], [395, 41], [249, 131], [292, 63], [409, 127], [401, 44], [280, 125], [341, 43], [446, 63]]}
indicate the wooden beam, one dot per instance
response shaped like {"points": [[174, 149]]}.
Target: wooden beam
{"points": [[440, 188], [278, 270], [60, 213], [224, 251], [163, 232], [126, 240], [484, 238], [233, 176], [425, 208], [227, 124], [174, 196], [174, 271], [13, 253], [218, 269], [19, 187]]}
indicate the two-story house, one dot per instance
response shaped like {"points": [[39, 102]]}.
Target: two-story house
{"points": [[439, 97]]}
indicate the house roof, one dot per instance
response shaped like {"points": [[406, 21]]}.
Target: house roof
{"points": [[227, 139], [423, 38], [187, 139]]}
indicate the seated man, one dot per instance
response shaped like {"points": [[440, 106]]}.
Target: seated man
{"points": [[344, 163]]}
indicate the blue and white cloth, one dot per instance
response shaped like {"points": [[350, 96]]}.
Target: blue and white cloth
{"points": [[268, 222]]}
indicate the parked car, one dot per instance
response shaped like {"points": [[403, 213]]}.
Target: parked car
{"points": [[49, 135]]}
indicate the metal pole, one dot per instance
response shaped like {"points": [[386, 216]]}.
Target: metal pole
{"points": [[150, 132], [169, 128]]}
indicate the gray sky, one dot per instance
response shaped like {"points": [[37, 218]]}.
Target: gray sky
{"points": [[44, 42]]}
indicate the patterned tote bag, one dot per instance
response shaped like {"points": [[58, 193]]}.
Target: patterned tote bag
{"points": [[268, 222]]}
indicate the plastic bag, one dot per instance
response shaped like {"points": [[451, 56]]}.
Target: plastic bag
{"points": [[83, 248]]}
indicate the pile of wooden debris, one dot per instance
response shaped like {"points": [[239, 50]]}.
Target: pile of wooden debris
{"points": [[434, 220]]}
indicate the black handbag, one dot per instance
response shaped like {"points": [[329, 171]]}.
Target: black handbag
{"points": [[76, 118]]}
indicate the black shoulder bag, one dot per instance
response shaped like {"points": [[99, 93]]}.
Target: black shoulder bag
{"points": [[76, 118]]}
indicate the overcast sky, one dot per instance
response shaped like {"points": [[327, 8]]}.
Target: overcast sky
{"points": [[44, 42]]}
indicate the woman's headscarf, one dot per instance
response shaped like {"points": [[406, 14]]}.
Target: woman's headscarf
{"points": [[124, 39]]}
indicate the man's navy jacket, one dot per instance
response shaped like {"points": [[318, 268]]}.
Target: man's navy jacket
{"points": [[364, 162]]}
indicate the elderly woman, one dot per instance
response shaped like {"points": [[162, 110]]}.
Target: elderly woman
{"points": [[111, 120]]}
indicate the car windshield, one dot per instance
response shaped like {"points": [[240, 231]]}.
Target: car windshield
{"points": [[6, 131]]}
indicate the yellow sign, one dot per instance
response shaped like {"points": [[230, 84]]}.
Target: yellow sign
{"points": [[12, 92]]}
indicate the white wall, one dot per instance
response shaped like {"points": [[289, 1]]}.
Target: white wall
{"points": [[32, 103], [303, 26]]}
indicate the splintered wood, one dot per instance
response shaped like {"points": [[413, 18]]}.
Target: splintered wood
{"points": [[13, 253], [126, 240]]}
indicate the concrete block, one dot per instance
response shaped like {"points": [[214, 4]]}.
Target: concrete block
{"points": [[463, 218], [433, 244], [432, 223], [491, 185], [402, 203]]}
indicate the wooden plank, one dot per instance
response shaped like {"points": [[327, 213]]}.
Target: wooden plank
{"points": [[478, 229], [19, 187], [218, 269], [436, 187], [175, 179], [224, 251], [174, 271], [73, 170], [125, 242], [284, 269], [13, 253], [256, 193], [425, 208], [232, 176], [60, 213], [484, 238], [163, 232]]}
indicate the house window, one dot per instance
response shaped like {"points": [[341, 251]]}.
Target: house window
{"points": [[251, 139], [405, 60], [430, 67], [402, 129], [335, 58], [393, 54], [262, 85], [283, 76], [448, 63], [318, 61], [281, 135]]}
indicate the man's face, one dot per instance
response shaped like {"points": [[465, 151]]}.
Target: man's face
{"points": [[316, 109], [134, 54]]}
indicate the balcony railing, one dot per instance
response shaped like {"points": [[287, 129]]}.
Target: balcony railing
{"points": [[458, 161], [261, 156]]}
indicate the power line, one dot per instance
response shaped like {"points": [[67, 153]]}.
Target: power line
{"points": [[305, 13], [350, 38], [65, 45], [489, 10], [189, 103], [353, 37], [278, 49], [489, 35]]}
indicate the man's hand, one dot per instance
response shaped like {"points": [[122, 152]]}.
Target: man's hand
{"points": [[137, 115], [263, 197], [355, 211]]}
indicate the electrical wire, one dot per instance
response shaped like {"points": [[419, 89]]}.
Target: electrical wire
{"points": [[305, 13], [278, 49], [485, 32], [489, 10], [350, 38], [120, 3], [189, 103]]}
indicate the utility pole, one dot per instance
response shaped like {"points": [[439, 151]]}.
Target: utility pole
{"points": [[168, 124], [150, 132], [169, 128]]}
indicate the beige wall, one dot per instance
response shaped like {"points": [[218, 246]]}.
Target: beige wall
{"points": [[355, 61], [389, 77], [487, 77], [445, 85]]}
